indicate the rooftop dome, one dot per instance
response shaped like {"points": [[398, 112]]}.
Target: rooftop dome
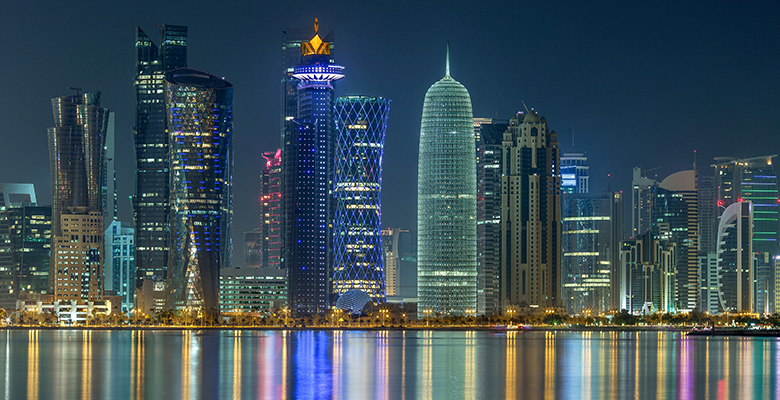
{"points": [[531, 117], [354, 301], [194, 78]]}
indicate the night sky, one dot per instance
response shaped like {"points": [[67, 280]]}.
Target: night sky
{"points": [[639, 84]]}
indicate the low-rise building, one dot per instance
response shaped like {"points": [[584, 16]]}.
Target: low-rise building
{"points": [[252, 289]]}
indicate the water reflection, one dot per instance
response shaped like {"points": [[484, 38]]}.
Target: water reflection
{"points": [[384, 365]]}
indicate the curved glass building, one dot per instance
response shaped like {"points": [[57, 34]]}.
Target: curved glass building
{"points": [[77, 156], [357, 241], [447, 201], [199, 108]]}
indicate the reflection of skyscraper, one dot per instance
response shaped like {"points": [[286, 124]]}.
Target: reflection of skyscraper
{"points": [[531, 219], [307, 185], [150, 202], [76, 152], [447, 201], [357, 225], [199, 107], [489, 136]]}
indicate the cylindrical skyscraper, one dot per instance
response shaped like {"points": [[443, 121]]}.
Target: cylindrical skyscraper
{"points": [[357, 241], [447, 202], [199, 108], [307, 161]]}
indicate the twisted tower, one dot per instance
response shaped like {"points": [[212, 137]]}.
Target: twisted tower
{"points": [[357, 241]]}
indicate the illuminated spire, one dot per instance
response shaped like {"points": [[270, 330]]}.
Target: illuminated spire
{"points": [[315, 45], [447, 63]]}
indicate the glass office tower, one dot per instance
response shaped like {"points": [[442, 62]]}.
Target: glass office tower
{"points": [[308, 180], [77, 154], [199, 108], [271, 211], [447, 201], [151, 202], [489, 137], [357, 240]]}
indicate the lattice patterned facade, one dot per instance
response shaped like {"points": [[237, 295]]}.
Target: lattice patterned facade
{"points": [[357, 241]]}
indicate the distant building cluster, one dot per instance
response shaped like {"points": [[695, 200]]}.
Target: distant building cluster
{"points": [[506, 220]]}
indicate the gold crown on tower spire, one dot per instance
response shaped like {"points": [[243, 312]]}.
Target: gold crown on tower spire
{"points": [[315, 45]]}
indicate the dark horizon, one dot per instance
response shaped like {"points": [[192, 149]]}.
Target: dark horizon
{"points": [[638, 84]]}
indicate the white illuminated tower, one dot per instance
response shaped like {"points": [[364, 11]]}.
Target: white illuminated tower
{"points": [[447, 201]]}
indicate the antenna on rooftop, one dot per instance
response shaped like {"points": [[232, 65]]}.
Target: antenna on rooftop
{"points": [[77, 89]]}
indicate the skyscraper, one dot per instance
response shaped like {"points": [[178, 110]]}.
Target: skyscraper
{"points": [[199, 108], [754, 179], [270, 243], [308, 177], [31, 240], [641, 202], [531, 214], [648, 268], [16, 199], [151, 206], [357, 225], [675, 216], [592, 232], [120, 268], [489, 136], [396, 243], [735, 258], [109, 174], [447, 201], [292, 42], [76, 152], [574, 173]]}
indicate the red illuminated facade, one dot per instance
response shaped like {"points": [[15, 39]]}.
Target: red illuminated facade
{"points": [[267, 250]]}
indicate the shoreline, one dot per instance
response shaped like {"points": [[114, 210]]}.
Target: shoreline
{"points": [[355, 328]]}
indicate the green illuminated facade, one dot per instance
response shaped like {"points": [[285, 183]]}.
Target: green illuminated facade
{"points": [[446, 202]]}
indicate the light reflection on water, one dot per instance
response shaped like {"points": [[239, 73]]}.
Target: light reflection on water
{"points": [[384, 365]]}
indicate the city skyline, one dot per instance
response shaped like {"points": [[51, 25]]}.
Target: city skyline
{"points": [[577, 88]]}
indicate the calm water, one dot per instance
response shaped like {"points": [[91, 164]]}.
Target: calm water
{"points": [[383, 365]]}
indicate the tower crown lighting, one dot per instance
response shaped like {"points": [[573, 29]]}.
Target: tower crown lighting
{"points": [[316, 45]]}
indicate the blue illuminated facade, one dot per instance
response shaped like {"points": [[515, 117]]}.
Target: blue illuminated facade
{"points": [[308, 181], [357, 241], [199, 108]]}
